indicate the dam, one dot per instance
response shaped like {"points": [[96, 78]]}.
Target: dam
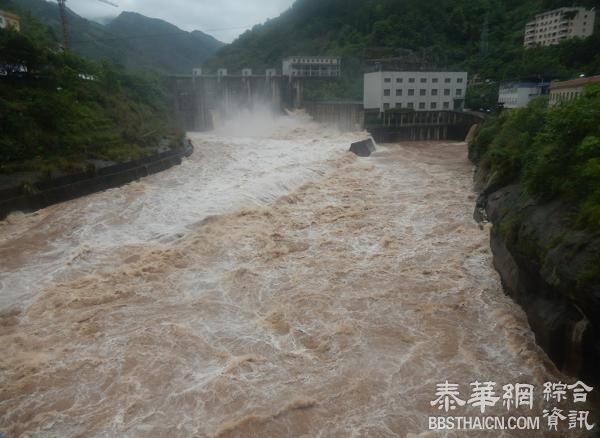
{"points": [[199, 100]]}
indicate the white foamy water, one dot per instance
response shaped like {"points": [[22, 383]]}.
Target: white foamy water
{"points": [[273, 285], [250, 161]]}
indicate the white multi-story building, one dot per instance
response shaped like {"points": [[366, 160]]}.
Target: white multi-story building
{"points": [[312, 66], [554, 26], [519, 94], [418, 90]]}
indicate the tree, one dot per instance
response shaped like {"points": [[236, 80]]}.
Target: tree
{"points": [[19, 53]]}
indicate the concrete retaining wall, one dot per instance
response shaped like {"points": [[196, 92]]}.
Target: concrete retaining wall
{"points": [[46, 193], [419, 133], [395, 126], [345, 116]]}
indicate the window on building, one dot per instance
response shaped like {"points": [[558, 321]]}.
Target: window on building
{"points": [[421, 105], [433, 105], [459, 80], [386, 92], [434, 92], [411, 91], [399, 92], [459, 92], [386, 106], [387, 80], [422, 92], [410, 105], [423, 80], [434, 80], [399, 105], [447, 92], [399, 80], [411, 80], [446, 105], [447, 80]]}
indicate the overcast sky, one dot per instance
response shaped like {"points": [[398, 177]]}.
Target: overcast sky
{"points": [[223, 19]]}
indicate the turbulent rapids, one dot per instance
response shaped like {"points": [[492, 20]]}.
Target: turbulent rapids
{"points": [[272, 285]]}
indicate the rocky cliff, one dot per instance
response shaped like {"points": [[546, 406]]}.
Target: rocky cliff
{"points": [[550, 269]]}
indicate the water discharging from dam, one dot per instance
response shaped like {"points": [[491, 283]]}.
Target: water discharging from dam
{"points": [[273, 285]]}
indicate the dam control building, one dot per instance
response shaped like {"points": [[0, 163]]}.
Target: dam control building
{"points": [[312, 66], [415, 90]]}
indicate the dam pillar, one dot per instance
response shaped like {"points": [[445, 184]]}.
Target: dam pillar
{"points": [[298, 93]]}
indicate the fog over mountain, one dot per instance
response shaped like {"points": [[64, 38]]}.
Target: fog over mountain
{"points": [[224, 19]]}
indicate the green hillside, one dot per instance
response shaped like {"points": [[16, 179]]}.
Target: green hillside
{"points": [[447, 33], [132, 40], [57, 110]]}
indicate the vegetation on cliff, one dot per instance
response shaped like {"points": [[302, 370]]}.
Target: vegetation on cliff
{"points": [[539, 171], [553, 151], [57, 110]]}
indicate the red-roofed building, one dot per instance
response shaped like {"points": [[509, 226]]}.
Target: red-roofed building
{"points": [[8, 20], [563, 91]]}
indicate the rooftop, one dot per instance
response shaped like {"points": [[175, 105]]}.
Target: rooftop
{"points": [[575, 82], [558, 10], [416, 71], [9, 14], [523, 84]]}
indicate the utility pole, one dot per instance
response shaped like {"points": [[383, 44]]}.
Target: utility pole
{"points": [[65, 23], [485, 37]]}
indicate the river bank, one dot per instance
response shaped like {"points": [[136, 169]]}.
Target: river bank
{"points": [[39, 193]]}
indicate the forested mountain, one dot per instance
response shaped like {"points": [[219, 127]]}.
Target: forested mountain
{"points": [[483, 36], [132, 40], [158, 45]]}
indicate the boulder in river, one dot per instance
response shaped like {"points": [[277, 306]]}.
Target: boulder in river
{"points": [[363, 148]]}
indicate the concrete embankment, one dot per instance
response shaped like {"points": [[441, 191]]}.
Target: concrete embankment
{"points": [[396, 125], [552, 270], [345, 116], [45, 193]]}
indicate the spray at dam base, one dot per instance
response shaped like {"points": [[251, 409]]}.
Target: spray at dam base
{"points": [[274, 284]]}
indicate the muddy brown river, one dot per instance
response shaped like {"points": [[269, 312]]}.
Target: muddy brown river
{"points": [[273, 285]]}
